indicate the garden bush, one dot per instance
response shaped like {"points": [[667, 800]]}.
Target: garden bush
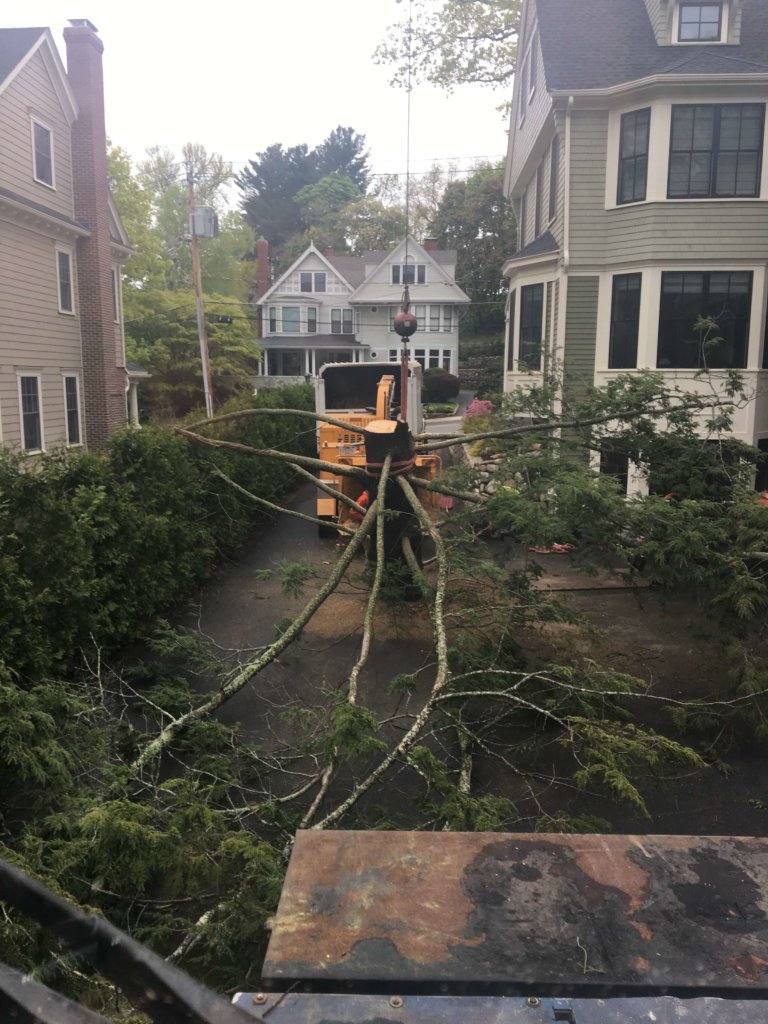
{"points": [[439, 385]]}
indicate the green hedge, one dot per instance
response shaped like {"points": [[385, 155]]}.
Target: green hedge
{"points": [[93, 548]]}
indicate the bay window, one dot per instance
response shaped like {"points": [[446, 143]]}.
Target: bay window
{"points": [[726, 296], [625, 321], [715, 150], [531, 320]]}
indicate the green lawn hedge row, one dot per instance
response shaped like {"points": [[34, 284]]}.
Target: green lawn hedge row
{"points": [[93, 548]]}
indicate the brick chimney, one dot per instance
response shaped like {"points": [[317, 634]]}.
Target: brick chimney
{"points": [[104, 381], [328, 251], [430, 245]]}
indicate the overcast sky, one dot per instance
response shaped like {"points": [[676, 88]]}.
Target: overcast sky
{"points": [[238, 76]]}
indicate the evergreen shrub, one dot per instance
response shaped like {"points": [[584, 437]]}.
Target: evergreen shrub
{"points": [[94, 548]]}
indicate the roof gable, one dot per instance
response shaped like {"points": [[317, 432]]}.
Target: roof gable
{"points": [[18, 46], [378, 286], [311, 251]]}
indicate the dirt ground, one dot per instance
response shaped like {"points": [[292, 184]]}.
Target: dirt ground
{"points": [[665, 641]]}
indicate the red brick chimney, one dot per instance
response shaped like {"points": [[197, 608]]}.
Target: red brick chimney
{"points": [[104, 380], [430, 245], [328, 250]]}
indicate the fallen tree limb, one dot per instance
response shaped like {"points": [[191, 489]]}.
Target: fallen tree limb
{"points": [[252, 668], [215, 471]]}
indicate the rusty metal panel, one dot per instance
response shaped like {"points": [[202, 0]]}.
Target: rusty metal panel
{"points": [[324, 1008], [545, 914]]}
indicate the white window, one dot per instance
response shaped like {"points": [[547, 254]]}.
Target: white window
{"points": [[64, 277], [291, 319], [272, 319], [409, 273], [42, 150], [311, 319], [310, 281], [341, 321], [30, 413], [433, 318], [700, 23], [72, 408]]}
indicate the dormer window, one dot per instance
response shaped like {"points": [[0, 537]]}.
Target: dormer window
{"points": [[700, 23]]}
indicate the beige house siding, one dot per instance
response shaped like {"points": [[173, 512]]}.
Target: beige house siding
{"points": [[30, 96], [34, 336]]}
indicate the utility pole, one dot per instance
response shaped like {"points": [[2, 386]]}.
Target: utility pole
{"points": [[197, 279]]}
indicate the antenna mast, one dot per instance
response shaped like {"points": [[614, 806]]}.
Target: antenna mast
{"points": [[405, 323]]}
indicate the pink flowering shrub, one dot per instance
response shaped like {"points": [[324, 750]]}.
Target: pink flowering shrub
{"points": [[479, 407]]}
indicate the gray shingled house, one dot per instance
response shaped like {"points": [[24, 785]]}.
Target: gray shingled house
{"points": [[63, 378], [637, 168]]}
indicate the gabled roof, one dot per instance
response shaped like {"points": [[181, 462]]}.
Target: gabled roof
{"points": [[310, 251], [355, 270], [375, 291], [18, 46], [596, 44], [351, 268], [15, 44]]}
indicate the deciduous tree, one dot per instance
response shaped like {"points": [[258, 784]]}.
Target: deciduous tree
{"points": [[453, 42]]}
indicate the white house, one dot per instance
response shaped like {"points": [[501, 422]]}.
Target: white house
{"points": [[327, 308]]}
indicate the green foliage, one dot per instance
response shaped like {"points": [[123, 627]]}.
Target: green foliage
{"points": [[162, 336], [285, 192], [475, 218], [439, 385], [454, 42], [93, 549], [354, 730]]}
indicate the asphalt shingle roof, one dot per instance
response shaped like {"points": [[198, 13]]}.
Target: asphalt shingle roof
{"points": [[595, 44], [539, 247], [15, 43]]}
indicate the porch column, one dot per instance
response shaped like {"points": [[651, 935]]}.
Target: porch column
{"points": [[133, 403]]}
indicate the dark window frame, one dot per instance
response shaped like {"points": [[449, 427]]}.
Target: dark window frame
{"points": [[625, 330], [64, 279], [72, 408], [531, 337], [43, 171], [635, 159], [698, 39], [31, 409], [554, 176], [714, 151], [511, 340], [676, 332]]}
